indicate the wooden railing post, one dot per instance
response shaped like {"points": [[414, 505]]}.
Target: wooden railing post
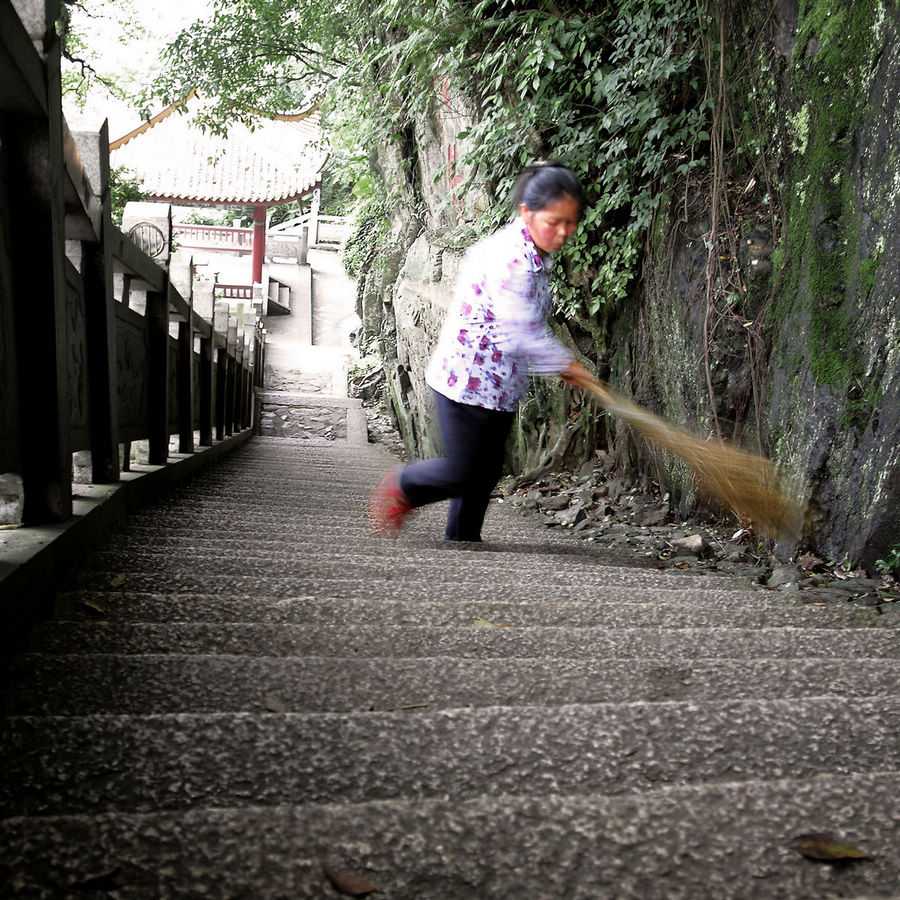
{"points": [[100, 317], [204, 388], [158, 376], [185, 388], [229, 395], [220, 329], [33, 147], [204, 308], [221, 382]]}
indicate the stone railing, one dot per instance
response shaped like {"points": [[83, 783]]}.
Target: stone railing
{"points": [[106, 338], [327, 231]]}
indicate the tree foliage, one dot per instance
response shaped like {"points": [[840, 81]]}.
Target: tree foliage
{"points": [[612, 89], [83, 69], [613, 94]]}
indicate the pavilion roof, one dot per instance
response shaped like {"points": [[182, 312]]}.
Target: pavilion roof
{"points": [[279, 160]]}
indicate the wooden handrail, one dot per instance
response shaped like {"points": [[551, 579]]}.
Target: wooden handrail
{"points": [[98, 347]]}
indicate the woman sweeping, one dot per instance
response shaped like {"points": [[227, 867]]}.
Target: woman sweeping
{"points": [[494, 336]]}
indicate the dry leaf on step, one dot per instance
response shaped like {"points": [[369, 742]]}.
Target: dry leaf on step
{"points": [[349, 885], [120, 876], [826, 846], [117, 580]]}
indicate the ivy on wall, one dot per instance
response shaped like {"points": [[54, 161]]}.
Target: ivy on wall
{"points": [[616, 95]]}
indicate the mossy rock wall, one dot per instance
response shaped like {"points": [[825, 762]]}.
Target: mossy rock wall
{"points": [[815, 383], [834, 370]]}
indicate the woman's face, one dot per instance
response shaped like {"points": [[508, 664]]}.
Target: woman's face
{"points": [[553, 225]]}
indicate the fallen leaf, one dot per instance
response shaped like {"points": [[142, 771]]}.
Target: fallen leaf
{"points": [[120, 876], [11, 527], [117, 580], [350, 885], [273, 704], [96, 605], [826, 846], [483, 623]]}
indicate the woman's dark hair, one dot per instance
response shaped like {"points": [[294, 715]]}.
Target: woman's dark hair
{"points": [[542, 184]]}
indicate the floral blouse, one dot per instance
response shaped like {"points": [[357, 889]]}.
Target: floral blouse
{"points": [[496, 332]]}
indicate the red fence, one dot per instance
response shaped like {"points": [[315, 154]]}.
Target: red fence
{"points": [[214, 237]]}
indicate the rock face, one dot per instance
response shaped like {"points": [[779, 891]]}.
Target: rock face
{"points": [[834, 371], [792, 348]]}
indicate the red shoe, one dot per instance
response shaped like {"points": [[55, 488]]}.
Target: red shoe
{"points": [[388, 505]]}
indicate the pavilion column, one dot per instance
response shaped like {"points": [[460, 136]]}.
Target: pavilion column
{"points": [[259, 242]]}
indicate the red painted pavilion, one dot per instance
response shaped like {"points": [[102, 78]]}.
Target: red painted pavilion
{"points": [[278, 160]]}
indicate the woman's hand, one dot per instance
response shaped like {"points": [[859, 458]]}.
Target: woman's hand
{"points": [[576, 374]]}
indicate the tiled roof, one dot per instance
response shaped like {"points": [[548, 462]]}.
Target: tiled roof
{"points": [[279, 160]]}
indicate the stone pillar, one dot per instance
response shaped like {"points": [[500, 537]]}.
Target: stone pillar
{"points": [[158, 377], [303, 254], [220, 330], [149, 225], [185, 388], [100, 316], [314, 216], [32, 147]]}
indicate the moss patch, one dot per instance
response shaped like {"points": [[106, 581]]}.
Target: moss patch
{"points": [[832, 69]]}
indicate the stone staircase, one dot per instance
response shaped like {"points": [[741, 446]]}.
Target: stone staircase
{"points": [[244, 688]]}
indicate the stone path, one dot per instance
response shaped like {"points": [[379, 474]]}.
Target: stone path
{"points": [[244, 687], [246, 695]]}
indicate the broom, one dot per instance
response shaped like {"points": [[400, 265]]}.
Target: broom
{"points": [[746, 483]]}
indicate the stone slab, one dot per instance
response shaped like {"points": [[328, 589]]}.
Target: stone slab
{"points": [[674, 843], [81, 684]]}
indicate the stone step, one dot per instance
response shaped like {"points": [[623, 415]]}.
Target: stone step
{"points": [[55, 765], [265, 540], [375, 558], [345, 581], [504, 535], [619, 607], [413, 641], [82, 684], [219, 530], [681, 842], [472, 574], [341, 512]]}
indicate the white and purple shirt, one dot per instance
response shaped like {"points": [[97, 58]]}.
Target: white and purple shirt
{"points": [[496, 331]]}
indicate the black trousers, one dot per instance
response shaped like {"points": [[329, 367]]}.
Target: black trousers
{"points": [[474, 442]]}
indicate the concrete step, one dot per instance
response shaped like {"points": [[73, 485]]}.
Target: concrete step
{"points": [[374, 558], [323, 532], [476, 642], [83, 684], [56, 765], [346, 581], [268, 540], [359, 702], [620, 607], [674, 843], [469, 573]]}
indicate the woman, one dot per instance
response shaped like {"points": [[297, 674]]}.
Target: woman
{"points": [[494, 336]]}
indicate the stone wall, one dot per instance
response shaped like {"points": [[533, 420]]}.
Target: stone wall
{"points": [[807, 370]]}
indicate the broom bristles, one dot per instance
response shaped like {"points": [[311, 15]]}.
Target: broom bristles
{"points": [[748, 484]]}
